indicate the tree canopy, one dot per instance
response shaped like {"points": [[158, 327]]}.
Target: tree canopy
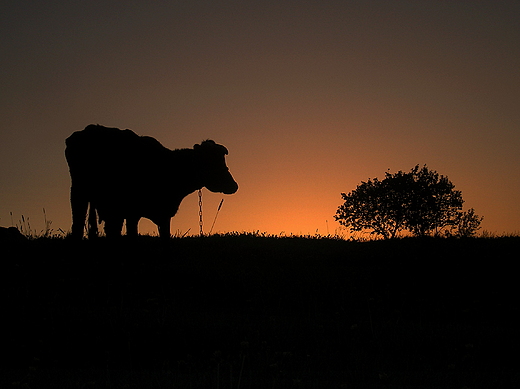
{"points": [[420, 201]]}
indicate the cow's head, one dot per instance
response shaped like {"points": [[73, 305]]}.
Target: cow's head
{"points": [[215, 173]]}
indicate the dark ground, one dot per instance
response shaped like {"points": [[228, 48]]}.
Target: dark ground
{"points": [[260, 312]]}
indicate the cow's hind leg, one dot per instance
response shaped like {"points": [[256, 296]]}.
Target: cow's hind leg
{"points": [[79, 205], [131, 227], [113, 227], [92, 222]]}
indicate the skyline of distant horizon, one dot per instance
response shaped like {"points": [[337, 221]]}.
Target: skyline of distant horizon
{"points": [[310, 98]]}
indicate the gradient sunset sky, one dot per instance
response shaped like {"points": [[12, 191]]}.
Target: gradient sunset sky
{"points": [[310, 98]]}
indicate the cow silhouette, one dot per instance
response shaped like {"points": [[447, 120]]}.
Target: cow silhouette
{"points": [[123, 176]]}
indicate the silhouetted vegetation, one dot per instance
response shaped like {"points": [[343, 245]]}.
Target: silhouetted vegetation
{"points": [[421, 202], [246, 311]]}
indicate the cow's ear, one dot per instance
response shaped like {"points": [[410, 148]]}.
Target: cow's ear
{"points": [[195, 147]]}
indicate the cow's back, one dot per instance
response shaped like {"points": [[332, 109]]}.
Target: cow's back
{"points": [[105, 150], [98, 141], [111, 166]]}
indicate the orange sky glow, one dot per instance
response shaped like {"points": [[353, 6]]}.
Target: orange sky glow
{"points": [[310, 98]]}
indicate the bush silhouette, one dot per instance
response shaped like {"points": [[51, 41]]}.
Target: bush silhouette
{"points": [[420, 201]]}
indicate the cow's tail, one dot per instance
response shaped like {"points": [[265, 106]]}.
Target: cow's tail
{"points": [[92, 222]]}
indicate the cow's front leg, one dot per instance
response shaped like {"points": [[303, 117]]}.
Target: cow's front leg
{"points": [[164, 228]]}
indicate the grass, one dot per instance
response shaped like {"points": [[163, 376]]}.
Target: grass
{"points": [[24, 226], [253, 311]]}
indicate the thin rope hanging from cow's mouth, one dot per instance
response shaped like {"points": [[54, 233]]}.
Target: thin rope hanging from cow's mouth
{"points": [[200, 212]]}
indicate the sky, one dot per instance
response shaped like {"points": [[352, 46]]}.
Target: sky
{"points": [[310, 98]]}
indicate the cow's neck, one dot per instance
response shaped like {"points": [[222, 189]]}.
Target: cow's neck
{"points": [[189, 169]]}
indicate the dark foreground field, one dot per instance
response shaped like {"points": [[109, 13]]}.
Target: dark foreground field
{"points": [[260, 312]]}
